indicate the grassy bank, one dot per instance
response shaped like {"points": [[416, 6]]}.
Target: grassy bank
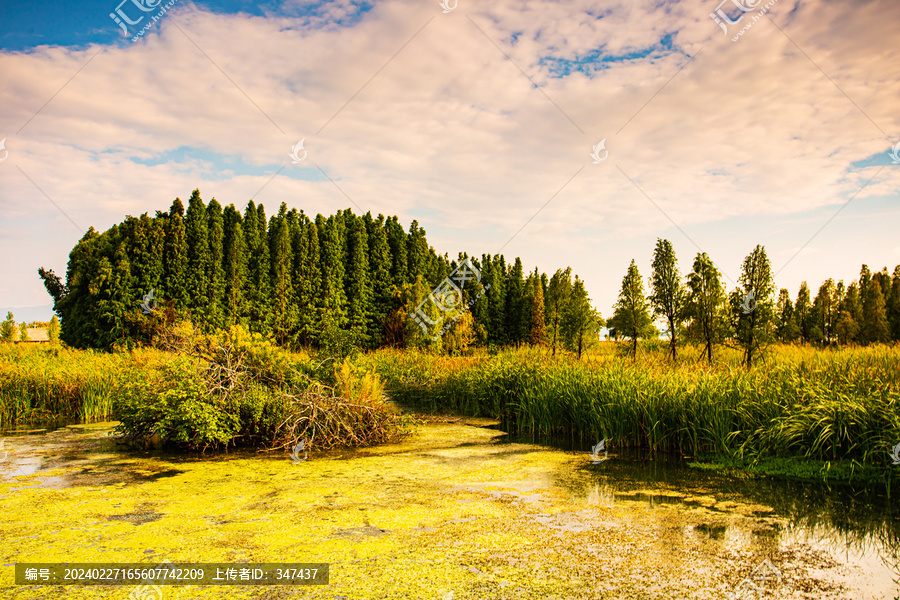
{"points": [[840, 409]]}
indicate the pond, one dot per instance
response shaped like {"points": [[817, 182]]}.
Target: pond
{"points": [[454, 511]]}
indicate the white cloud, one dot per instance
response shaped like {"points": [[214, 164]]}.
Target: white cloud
{"points": [[748, 132]]}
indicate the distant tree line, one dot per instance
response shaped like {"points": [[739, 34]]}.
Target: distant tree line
{"points": [[10, 332], [699, 308], [302, 280]]}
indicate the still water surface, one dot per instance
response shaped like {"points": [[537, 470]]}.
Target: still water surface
{"points": [[454, 511]]}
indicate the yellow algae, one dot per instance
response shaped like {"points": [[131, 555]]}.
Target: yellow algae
{"points": [[449, 512]]}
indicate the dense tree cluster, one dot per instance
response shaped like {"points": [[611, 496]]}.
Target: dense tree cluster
{"points": [[700, 308], [302, 280]]}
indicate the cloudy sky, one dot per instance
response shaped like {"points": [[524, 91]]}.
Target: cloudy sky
{"points": [[478, 119]]}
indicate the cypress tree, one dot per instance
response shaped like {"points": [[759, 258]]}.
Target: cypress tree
{"points": [[359, 286], [537, 330], [333, 298], [198, 259], [399, 255], [216, 276], [497, 307], [875, 324], [309, 284], [283, 307], [803, 312], [175, 260], [516, 327], [417, 253], [258, 267], [380, 262], [234, 265], [893, 309]]}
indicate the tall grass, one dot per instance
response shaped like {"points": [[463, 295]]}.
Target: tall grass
{"points": [[48, 384], [841, 405]]}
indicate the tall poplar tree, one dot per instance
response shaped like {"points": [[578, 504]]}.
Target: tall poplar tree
{"points": [[668, 294], [755, 322], [706, 306]]}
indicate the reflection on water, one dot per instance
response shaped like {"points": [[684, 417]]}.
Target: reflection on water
{"points": [[855, 525]]}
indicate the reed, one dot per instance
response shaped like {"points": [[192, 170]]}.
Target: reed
{"points": [[828, 405]]}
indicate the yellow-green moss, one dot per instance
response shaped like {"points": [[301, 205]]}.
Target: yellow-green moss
{"points": [[446, 513]]}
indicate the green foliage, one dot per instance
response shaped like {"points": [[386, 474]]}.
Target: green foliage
{"points": [[668, 294], [753, 309], [8, 328], [631, 317], [706, 305], [53, 330], [580, 323], [839, 406]]}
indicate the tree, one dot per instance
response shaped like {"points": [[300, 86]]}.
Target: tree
{"points": [[756, 320], [893, 308], [283, 306], [215, 278], [668, 294], [259, 293], [358, 283], [23, 331], [802, 312], [54, 284], [580, 322], [824, 313], [559, 290], [198, 258], [234, 267], [309, 283], [497, 301], [537, 330], [785, 325], [849, 318], [8, 328], [706, 306], [515, 304], [380, 268], [875, 324], [175, 261], [53, 330], [333, 297], [631, 315]]}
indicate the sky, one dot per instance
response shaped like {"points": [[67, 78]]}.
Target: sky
{"points": [[566, 133]]}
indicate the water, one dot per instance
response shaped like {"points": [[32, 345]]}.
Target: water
{"points": [[455, 511]]}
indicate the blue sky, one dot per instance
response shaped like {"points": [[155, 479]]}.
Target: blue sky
{"points": [[475, 122]]}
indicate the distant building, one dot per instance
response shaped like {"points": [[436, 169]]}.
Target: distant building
{"points": [[37, 334]]}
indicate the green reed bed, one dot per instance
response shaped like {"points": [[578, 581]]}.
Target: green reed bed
{"points": [[822, 405], [48, 384]]}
